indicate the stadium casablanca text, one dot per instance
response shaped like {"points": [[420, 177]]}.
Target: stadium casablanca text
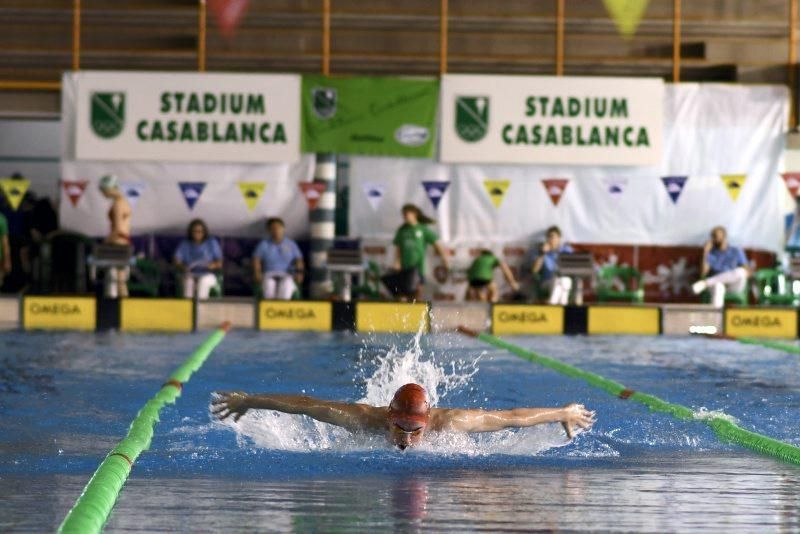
{"points": [[211, 131]]}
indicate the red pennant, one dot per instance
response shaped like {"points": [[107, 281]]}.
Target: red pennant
{"points": [[313, 192], [792, 181], [555, 188], [74, 190], [228, 13]]}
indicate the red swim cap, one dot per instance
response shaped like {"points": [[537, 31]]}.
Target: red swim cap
{"points": [[409, 408]]}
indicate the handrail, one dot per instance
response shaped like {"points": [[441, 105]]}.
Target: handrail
{"points": [[326, 37], [76, 34], [444, 15], [560, 17], [201, 35], [29, 85], [529, 22], [676, 41], [792, 64]]}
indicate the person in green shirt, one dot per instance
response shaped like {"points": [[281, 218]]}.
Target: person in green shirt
{"points": [[5, 249], [412, 240], [480, 276]]}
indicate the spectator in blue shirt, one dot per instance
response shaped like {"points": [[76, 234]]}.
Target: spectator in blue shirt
{"points": [[545, 267], [724, 268], [198, 257], [277, 263]]}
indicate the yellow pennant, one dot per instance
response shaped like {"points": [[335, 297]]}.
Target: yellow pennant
{"points": [[734, 183], [626, 15], [496, 190], [252, 193], [14, 190]]}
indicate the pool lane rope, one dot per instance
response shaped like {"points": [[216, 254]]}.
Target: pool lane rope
{"points": [[766, 343], [777, 345], [725, 430], [93, 507]]}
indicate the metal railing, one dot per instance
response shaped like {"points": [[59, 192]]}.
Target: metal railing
{"points": [[325, 67]]}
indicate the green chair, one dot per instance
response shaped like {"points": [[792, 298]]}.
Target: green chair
{"points": [[609, 279], [370, 287], [145, 278], [773, 288], [540, 290]]}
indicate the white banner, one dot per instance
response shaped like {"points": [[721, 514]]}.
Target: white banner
{"points": [[234, 200], [553, 120], [167, 116], [723, 152]]}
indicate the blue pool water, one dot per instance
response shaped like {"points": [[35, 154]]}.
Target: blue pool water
{"points": [[66, 399]]}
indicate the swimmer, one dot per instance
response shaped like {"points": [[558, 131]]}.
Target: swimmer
{"points": [[408, 416]]}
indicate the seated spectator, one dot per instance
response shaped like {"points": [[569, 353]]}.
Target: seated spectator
{"points": [[277, 263], [410, 243], [480, 275], [545, 267], [5, 249], [724, 268], [198, 257]]}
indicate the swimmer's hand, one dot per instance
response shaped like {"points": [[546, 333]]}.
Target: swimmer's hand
{"points": [[229, 403], [576, 415]]}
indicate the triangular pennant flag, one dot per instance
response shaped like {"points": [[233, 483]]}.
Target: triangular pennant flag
{"points": [[555, 188], [228, 13], [14, 190], [251, 193], [435, 191], [313, 193], [374, 193], [74, 190], [496, 190], [626, 15], [616, 186], [191, 192], [674, 186], [734, 183], [132, 191], [792, 181]]}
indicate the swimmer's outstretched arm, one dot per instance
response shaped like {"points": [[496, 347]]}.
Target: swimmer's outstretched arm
{"points": [[570, 416], [350, 416]]}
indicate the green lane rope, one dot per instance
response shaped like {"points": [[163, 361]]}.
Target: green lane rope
{"points": [[777, 345], [725, 430], [93, 507]]}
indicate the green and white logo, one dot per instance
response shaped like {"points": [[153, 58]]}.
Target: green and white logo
{"points": [[324, 100], [108, 114], [472, 117]]}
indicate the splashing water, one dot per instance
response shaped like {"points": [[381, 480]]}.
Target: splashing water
{"points": [[398, 367], [390, 370]]}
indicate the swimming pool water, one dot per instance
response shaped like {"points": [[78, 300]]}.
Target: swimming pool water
{"points": [[66, 399]]}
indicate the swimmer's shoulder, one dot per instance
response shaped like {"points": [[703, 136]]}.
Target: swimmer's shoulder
{"points": [[445, 418]]}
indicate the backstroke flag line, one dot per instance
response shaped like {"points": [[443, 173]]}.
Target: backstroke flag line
{"points": [[74, 190], [191, 192], [251, 193], [733, 184], [435, 191], [133, 192], [14, 190], [555, 188], [626, 15], [674, 186], [496, 189]]}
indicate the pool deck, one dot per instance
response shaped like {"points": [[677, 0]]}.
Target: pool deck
{"points": [[184, 315]]}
